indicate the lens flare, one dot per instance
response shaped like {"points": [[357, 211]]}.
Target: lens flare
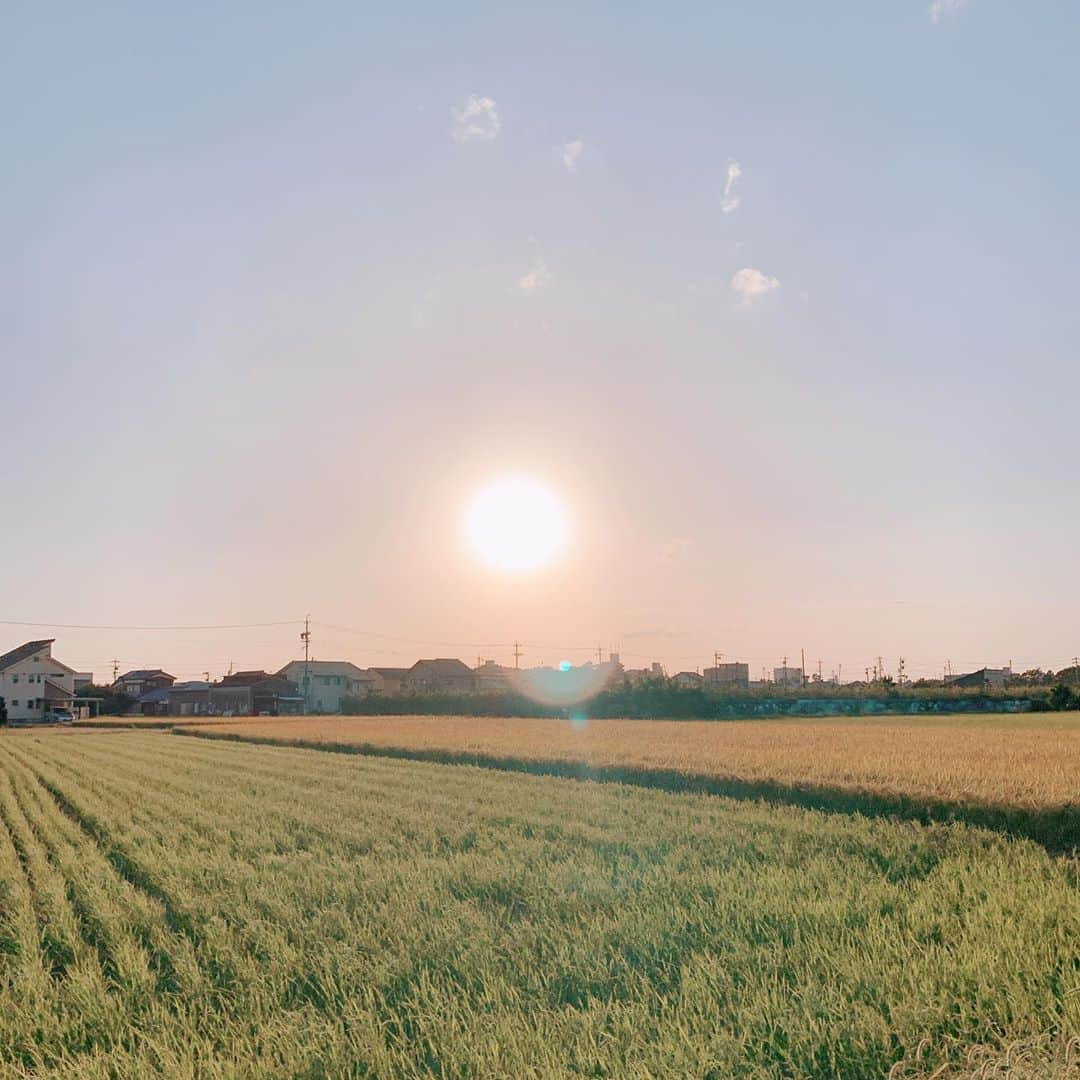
{"points": [[564, 686]]}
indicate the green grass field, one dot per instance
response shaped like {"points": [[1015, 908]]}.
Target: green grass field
{"points": [[188, 908]]}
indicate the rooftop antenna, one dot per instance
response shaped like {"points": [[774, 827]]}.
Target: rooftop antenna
{"points": [[517, 655]]}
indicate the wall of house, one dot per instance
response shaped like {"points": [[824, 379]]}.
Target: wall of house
{"points": [[22, 686], [327, 690]]}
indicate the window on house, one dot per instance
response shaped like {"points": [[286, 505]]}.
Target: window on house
{"points": [[14, 678], [15, 702]]}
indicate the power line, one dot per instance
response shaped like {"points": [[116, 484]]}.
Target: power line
{"points": [[148, 629]]}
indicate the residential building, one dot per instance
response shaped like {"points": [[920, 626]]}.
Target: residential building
{"points": [[137, 683], [787, 678], [83, 679], [492, 678], [687, 680], [389, 680], [983, 679], [324, 684], [33, 682], [154, 702], [208, 699], [733, 676], [269, 694], [440, 676]]}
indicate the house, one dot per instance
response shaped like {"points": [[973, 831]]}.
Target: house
{"points": [[137, 683], [687, 680], [635, 676], [270, 694], [324, 684], [440, 676], [492, 678], [732, 676], [983, 679], [389, 680], [208, 699], [154, 702], [33, 682]]}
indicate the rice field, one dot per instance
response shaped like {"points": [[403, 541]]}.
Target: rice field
{"points": [[192, 908], [1020, 773]]}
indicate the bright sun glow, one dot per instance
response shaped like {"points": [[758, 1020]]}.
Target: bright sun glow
{"points": [[516, 524]]}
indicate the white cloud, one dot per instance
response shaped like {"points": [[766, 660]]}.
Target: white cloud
{"points": [[478, 118], [751, 284], [536, 280], [940, 8], [570, 152], [730, 201]]}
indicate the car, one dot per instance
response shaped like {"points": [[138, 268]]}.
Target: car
{"points": [[59, 716]]}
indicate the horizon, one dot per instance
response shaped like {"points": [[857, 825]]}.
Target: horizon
{"points": [[532, 655]]}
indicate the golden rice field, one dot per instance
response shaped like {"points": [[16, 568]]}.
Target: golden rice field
{"points": [[1023, 770], [186, 908]]}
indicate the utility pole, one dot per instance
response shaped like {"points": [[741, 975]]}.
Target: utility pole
{"points": [[517, 655], [819, 670], [802, 665], [599, 655], [900, 672], [1076, 670], [115, 671], [305, 637]]}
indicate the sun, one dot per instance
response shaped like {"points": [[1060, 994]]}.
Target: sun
{"points": [[516, 524]]}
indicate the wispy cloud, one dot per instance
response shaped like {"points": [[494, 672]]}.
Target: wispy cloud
{"points": [[750, 284], [729, 202], [478, 118], [571, 152], [536, 280], [940, 8]]}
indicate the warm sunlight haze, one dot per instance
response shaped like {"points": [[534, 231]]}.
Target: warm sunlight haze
{"points": [[539, 540]]}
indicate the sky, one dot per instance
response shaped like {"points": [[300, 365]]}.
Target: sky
{"points": [[777, 299]]}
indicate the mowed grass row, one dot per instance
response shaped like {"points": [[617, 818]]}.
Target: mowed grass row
{"points": [[1017, 773], [184, 907]]}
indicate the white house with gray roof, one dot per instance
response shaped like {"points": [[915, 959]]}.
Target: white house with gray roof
{"points": [[33, 682], [328, 682]]}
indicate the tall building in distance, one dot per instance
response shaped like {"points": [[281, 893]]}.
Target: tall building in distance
{"points": [[733, 676], [789, 678]]}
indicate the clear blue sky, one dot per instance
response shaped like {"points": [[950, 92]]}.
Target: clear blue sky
{"points": [[275, 300]]}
